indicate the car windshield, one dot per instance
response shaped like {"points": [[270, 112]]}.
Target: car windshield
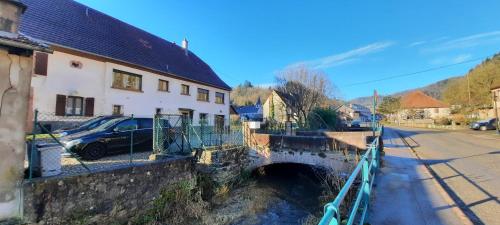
{"points": [[91, 121], [110, 123]]}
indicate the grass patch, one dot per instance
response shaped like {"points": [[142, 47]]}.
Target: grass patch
{"points": [[179, 203]]}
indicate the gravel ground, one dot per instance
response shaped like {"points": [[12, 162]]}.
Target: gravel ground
{"points": [[71, 166]]}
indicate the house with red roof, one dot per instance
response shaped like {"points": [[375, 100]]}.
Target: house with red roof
{"points": [[418, 105], [101, 65]]}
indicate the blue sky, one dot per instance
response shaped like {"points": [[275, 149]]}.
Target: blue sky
{"points": [[352, 41]]}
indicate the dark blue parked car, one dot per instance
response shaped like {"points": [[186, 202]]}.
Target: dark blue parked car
{"points": [[489, 124], [111, 137]]}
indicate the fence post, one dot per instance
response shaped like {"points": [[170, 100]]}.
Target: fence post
{"points": [[374, 150], [33, 143], [366, 185], [132, 141]]}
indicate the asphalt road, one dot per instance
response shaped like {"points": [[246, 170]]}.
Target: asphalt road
{"points": [[466, 164]]}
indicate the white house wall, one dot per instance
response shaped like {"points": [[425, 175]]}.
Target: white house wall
{"points": [[95, 79], [65, 80]]}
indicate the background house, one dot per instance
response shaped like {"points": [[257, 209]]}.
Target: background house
{"points": [[417, 105], [251, 112], [275, 106], [101, 65]]}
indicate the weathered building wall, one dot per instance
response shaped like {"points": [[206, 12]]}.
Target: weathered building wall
{"points": [[15, 77], [95, 78], [108, 197]]}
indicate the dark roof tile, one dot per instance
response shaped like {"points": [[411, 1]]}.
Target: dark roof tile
{"points": [[70, 24]]}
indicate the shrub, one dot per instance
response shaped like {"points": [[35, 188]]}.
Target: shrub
{"points": [[442, 121]]}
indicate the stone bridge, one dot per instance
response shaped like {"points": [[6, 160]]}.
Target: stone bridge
{"points": [[329, 150]]}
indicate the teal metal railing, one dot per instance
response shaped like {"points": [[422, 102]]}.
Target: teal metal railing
{"points": [[367, 168]]}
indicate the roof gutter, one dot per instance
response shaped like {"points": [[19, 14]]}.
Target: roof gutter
{"points": [[17, 44]]}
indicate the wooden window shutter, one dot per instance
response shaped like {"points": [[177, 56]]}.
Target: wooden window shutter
{"points": [[41, 62], [60, 105], [89, 107]]}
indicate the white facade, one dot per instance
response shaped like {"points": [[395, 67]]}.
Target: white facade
{"points": [[94, 80]]}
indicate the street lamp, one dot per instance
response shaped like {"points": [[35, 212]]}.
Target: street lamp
{"points": [[288, 113]]}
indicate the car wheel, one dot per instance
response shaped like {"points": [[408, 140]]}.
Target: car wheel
{"points": [[483, 128], [94, 151]]}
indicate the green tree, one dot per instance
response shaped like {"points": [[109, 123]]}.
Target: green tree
{"points": [[472, 91], [322, 118], [390, 105]]}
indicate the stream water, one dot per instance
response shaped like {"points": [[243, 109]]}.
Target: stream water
{"points": [[283, 194]]}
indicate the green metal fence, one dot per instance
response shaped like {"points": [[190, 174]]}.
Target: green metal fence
{"points": [[178, 134], [365, 170], [50, 150]]}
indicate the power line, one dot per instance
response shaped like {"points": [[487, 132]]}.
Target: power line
{"points": [[413, 73]]}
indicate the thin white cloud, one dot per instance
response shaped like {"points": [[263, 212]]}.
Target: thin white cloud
{"points": [[345, 57], [451, 60], [467, 42], [416, 43], [461, 58]]}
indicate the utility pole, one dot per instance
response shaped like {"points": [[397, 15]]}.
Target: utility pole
{"points": [[374, 111], [495, 99], [468, 91], [468, 88]]}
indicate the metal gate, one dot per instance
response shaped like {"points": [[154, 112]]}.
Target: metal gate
{"points": [[171, 134]]}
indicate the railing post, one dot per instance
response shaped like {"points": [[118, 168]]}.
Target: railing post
{"points": [[366, 184], [374, 149], [132, 140], [331, 215], [33, 143]]}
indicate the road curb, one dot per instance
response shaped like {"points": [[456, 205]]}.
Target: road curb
{"points": [[447, 198]]}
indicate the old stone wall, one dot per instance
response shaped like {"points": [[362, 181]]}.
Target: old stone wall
{"points": [[15, 78], [222, 166], [107, 197]]}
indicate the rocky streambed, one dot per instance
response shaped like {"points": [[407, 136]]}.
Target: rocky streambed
{"points": [[276, 194]]}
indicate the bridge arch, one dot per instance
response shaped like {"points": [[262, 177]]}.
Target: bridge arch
{"points": [[330, 160]]}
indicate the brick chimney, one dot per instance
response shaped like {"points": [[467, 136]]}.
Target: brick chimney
{"points": [[10, 15]]}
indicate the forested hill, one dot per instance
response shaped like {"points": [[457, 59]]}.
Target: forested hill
{"points": [[247, 94], [435, 90]]}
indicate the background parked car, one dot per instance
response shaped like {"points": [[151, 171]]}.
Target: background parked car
{"points": [[113, 136], [489, 124], [356, 124], [85, 126]]}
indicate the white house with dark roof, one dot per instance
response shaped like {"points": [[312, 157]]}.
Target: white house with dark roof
{"points": [[251, 112], [101, 65]]}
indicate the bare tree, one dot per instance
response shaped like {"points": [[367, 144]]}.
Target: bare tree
{"points": [[305, 89]]}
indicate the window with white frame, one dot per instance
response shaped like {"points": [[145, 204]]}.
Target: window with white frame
{"points": [[219, 98], [184, 89], [117, 110], [127, 81], [203, 95], [163, 85], [74, 106]]}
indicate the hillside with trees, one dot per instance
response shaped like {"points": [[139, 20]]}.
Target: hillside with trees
{"points": [[247, 94], [477, 82], [434, 90]]}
